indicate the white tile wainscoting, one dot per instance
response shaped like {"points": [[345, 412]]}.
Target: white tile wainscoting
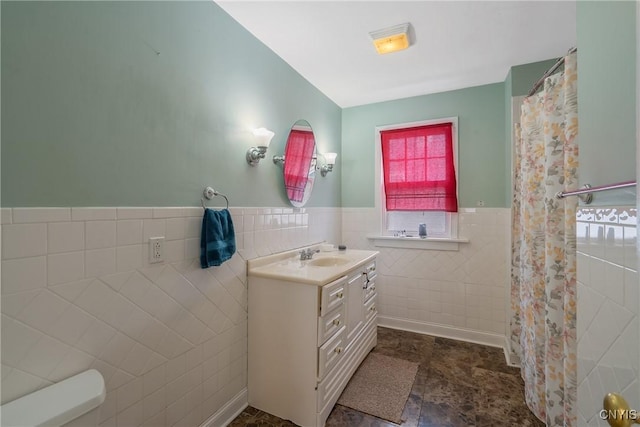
{"points": [[457, 294], [170, 339], [607, 331]]}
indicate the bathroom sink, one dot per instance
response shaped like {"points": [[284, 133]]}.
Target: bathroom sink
{"points": [[323, 268], [328, 261]]}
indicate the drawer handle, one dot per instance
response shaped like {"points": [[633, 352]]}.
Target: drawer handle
{"points": [[336, 322], [338, 350], [373, 308], [340, 294]]}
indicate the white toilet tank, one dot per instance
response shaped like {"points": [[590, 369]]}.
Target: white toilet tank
{"points": [[57, 404]]}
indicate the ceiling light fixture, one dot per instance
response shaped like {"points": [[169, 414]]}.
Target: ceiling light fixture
{"points": [[391, 39]]}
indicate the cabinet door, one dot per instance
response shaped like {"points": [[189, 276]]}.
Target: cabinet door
{"points": [[355, 304]]}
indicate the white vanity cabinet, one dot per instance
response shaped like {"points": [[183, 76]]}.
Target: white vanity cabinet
{"points": [[308, 333]]}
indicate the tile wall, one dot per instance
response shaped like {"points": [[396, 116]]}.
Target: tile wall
{"points": [[170, 339], [607, 330], [460, 294]]}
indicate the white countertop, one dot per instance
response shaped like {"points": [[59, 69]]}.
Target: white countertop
{"points": [[288, 266]]}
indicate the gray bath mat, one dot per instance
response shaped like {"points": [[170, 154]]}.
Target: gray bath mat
{"points": [[380, 387]]}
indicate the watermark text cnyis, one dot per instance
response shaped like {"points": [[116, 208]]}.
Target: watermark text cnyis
{"points": [[619, 414]]}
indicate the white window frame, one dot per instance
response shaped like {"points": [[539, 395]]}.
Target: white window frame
{"points": [[386, 237]]}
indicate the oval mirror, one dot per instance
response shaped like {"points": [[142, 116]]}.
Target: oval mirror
{"points": [[299, 163]]}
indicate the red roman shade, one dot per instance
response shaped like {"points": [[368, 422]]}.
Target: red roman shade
{"points": [[419, 172]]}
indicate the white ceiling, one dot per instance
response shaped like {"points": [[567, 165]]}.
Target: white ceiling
{"points": [[457, 43]]}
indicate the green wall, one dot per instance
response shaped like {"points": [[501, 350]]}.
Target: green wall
{"points": [[607, 96], [145, 104], [481, 142], [523, 77]]}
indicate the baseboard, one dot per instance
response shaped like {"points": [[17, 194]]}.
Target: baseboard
{"points": [[477, 337], [509, 354], [229, 411]]}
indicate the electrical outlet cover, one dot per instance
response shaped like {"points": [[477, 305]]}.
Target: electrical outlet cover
{"points": [[156, 249]]}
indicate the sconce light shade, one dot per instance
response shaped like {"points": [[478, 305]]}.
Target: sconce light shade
{"points": [[262, 137], [329, 161], [330, 158], [391, 39]]}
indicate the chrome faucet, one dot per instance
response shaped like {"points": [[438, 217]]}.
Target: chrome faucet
{"points": [[307, 253]]}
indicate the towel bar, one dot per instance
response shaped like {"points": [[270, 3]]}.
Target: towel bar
{"points": [[209, 193]]}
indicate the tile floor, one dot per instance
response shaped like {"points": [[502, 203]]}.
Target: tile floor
{"points": [[458, 384]]}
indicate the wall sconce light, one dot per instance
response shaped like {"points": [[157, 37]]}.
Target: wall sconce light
{"points": [[329, 161], [262, 137]]}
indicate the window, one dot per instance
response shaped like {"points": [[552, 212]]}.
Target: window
{"points": [[418, 178]]}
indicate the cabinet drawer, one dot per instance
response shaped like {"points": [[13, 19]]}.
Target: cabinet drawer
{"points": [[330, 385], [331, 352], [332, 295], [370, 308], [330, 324], [370, 289], [370, 272]]}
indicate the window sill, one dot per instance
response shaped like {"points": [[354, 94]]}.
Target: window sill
{"points": [[430, 243]]}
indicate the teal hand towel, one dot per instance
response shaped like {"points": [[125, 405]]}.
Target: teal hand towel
{"points": [[218, 239]]}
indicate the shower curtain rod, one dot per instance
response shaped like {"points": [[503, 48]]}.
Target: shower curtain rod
{"points": [[550, 71], [587, 190]]}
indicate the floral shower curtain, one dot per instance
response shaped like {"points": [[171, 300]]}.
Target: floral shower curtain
{"points": [[543, 288]]}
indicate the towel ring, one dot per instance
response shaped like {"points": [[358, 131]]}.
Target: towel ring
{"points": [[209, 193]]}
